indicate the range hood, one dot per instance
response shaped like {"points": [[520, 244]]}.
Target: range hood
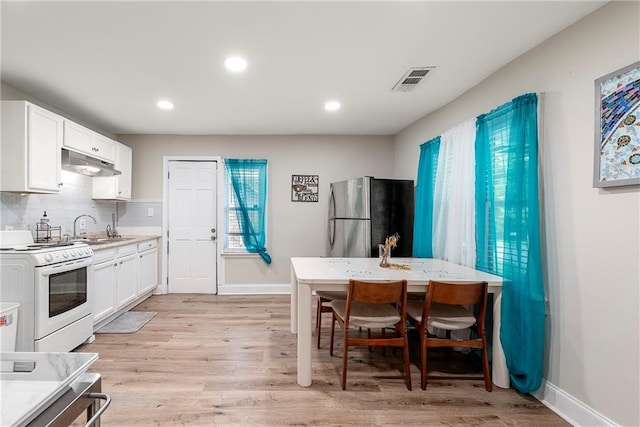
{"points": [[87, 165]]}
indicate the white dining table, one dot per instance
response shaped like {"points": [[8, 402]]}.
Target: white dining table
{"points": [[332, 274]]}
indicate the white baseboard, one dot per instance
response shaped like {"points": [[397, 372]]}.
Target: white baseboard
{"points": [[570, 408], [261, 289]]}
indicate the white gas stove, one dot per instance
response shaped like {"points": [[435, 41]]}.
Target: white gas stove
{"points": [[53, 284]]}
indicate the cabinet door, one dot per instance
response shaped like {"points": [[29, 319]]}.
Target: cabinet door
{"points": [[44, 144], [126, 279], [123, 164], [104, 290], [116, 187], [79, 138], [147, 271], [104, 148]]}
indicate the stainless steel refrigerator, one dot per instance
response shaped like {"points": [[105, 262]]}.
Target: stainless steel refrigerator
{"points": [[364, 211]]}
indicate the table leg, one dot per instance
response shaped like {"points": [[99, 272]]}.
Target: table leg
{"points": [[500, 373], [294, 302], [304, 335]]}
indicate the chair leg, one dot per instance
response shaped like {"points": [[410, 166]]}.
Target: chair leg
{"points": [[423, 359], [318, 321], [345, 351], [485, 368], [333, 330], [407, 366]]}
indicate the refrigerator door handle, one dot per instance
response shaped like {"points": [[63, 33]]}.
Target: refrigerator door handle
{"points": [[332, 232], [332, 219]]}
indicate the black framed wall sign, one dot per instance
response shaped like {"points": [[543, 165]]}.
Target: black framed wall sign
{"points": [[304, 188]]}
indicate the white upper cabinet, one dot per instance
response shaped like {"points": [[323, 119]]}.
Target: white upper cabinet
{"points": [[117, 187], [31, 143], [79, 138]]}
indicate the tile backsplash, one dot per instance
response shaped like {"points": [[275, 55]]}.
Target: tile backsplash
{"points": [[23, 211]]}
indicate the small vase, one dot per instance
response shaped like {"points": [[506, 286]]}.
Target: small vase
{"points": [[385, 255]]}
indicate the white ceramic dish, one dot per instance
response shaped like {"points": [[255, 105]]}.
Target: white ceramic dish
{"points": [[47, 376]]}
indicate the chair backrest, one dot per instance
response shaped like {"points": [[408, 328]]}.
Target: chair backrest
{"points": [[457, 294], [378, 292]]}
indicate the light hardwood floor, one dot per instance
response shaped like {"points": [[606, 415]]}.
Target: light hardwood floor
{"points": [[231, 360]]}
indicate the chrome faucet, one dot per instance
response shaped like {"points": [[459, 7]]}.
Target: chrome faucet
{"points": [[75, 235], [111, 229]]}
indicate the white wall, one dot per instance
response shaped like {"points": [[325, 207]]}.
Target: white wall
{"points": [[591, 236], [294, 228]]}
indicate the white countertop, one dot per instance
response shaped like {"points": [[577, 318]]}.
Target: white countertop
{"points": [[23, 395]]}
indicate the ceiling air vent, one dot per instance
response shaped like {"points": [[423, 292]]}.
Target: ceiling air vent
{"points": [[411, 79]]}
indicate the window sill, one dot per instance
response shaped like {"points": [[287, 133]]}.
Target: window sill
{"points": [[239, 255]]}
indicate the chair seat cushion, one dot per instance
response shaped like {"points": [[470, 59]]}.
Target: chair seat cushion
{"points": [[443, 316], [367, 315]]}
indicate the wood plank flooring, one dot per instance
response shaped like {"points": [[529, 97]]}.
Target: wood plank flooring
{"points": [[231, 361]]}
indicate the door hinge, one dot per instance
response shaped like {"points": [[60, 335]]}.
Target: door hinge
{"points": [[168, 175]]}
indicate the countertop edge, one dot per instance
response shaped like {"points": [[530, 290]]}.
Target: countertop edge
{"points": [[133, 240]]}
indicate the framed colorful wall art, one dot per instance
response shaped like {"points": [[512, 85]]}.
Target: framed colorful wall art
{"points": [[617, 128]]}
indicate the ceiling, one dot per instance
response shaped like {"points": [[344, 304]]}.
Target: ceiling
{"points": [[107, 63]]}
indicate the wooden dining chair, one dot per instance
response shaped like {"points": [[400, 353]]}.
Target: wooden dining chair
{"points": [[372, 305], [323, 300], [443, 309]]}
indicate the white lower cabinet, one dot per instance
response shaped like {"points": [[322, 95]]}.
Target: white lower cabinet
{"points": [[104, 290], [147, 266], [126, 278], [122, 277]]}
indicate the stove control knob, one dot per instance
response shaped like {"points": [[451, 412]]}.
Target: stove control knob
{"points": [[73, 252], [65, 254], [87, 251], [48, 257]]}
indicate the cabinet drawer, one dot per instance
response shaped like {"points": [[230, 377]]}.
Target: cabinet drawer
{"points": [[127, 250], [149, 244], [103, 255]]}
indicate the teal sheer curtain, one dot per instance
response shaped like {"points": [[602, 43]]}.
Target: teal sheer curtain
{"points": [[425, 185], [249, 181], [508, 231]]}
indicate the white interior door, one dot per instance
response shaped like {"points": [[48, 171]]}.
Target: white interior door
{"points": [[192, 227]]}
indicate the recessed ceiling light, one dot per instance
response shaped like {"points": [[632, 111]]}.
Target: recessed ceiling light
{"points": [[235, 64], [164, 104], [332, 106]]}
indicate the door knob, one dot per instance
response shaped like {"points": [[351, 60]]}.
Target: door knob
{"points": [[213, 237], [213, 230]]}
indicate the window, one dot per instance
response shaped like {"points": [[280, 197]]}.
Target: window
{"points": [[245, 206], [233, 212]]}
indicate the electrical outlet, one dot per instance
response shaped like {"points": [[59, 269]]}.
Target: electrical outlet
{"points": [[82, 223], [149, 211]]}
